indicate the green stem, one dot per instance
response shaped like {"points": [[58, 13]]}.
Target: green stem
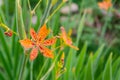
{"points": [[4, 26], [50, 69], [31, 71], [22, 67], [38, 77], [19, 21], [30, 23], [33, 11], [47, 10], [54, 12], [7, 10], [29, 5]]}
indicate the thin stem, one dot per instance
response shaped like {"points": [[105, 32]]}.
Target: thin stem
{"points": [[50, 69], [29, 26], [55, 11], [7, 28], [22, 67], [29, 5], [42, 69], [33, 11], [19, 21], [4, 26], [7, 10], [58, 47], [47, 10], [31, 71]]}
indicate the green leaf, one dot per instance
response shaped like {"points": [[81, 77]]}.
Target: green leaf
{"points": [[115, 67], [118, 75], [5, 48], [45, 76], [97, 56], [2, 77], [89, 69], [100, 76], [81, 59], [107, 74], [68, 65], [80, 29], [6, 66]]}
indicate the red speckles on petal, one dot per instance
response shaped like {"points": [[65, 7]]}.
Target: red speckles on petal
{"points": [[46, 52], [33, 53], [33, 34], [49, 41]]}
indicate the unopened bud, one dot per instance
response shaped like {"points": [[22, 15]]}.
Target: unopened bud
{"points": [[8, 33]]}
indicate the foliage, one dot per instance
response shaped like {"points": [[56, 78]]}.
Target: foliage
{"points": [[97, 58]]}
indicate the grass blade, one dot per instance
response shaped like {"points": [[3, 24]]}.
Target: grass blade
{"points": [[89, 69], [97, 56], [107, 74], [81, 59], [115, 67]]}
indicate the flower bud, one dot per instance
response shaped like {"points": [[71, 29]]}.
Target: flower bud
{"points": [[8, 33]]}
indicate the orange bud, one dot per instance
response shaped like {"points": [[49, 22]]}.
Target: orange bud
{"points": [[8, 33]]}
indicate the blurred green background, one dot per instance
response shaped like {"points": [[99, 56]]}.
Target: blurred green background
{"points": [[94, 31]]}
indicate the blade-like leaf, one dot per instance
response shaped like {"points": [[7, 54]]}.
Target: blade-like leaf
{"points": [[107, 74], [115, 67], [81, 59], [89, 69], [97, 56], [118, 75]]}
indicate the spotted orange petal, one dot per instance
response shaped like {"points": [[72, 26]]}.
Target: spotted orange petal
{"points": [[46, 52], [69, 43], [33, 53], [63, 35], [66, 39], [74, 47], [33, 34], [43, 32], [26, 43], [49, 41]]}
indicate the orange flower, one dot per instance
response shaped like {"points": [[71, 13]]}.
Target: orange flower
{"points": [[67, 39], [38, 42], [106, 4]]}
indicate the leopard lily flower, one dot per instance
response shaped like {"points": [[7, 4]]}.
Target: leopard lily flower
{"points": [[67, 39], [105, 4], [38, 42]]}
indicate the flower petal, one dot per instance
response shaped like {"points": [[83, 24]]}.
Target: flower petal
{"points": [[67, 39], [33, 53], [105, 4], [33, 34], [26, 43], [74, 47], [43, 32], [46, 52], [63, 35], [49, 41]]}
